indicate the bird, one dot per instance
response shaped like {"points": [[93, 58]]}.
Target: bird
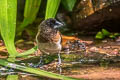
{"points": [[49, 37]]}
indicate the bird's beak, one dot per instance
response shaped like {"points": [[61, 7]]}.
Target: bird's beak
{"points": [[58, 24]]}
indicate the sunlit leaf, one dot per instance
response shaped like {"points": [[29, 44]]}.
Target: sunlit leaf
{"points": [[8, 9], [12, 77], [52, 7], [105, 32], [69, 4], [99, 35], [117, 34], [30, 13], [28, 52], [112, 36]]}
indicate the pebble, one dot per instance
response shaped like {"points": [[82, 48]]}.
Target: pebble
{"points": [[104, 41], [118, 39], [94, 49], [115, 51], [107, 47]]}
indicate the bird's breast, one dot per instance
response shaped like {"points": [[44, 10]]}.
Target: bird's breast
{"points": [[50, 44], [50, 47]]}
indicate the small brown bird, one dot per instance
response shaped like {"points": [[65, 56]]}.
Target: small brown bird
{"points": [[49, 38]]}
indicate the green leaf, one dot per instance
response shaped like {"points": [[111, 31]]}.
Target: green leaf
{"points": [[8, 10], [30, 13], [52, 7], [116, 34], [12, 77], [68, 4], [105, 32], [99, 35], [112, 36], [28, 52], [35, 71]]}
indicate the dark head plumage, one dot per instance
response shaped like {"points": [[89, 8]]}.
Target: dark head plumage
{"points": [[51, 23], [48, 29]]}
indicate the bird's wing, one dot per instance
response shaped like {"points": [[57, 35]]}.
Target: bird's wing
{"points": [[41, 38]]}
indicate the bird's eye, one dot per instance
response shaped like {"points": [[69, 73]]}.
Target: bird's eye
{"points": [[52, 21]]}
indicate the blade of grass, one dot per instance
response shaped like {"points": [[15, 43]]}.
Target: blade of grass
{"points": [[68, 4], [52, 7], [35, 71], [30, 13], [8, 9]]}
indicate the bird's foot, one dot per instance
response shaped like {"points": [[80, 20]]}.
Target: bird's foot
{"points": [[40, 63], [59, 67]]}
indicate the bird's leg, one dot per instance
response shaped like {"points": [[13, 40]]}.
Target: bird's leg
{"points": [[40, 62], [59, 63], [59, 58]]}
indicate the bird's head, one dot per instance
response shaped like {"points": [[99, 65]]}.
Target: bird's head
{"points": [[52, 23], [50, 26]]}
